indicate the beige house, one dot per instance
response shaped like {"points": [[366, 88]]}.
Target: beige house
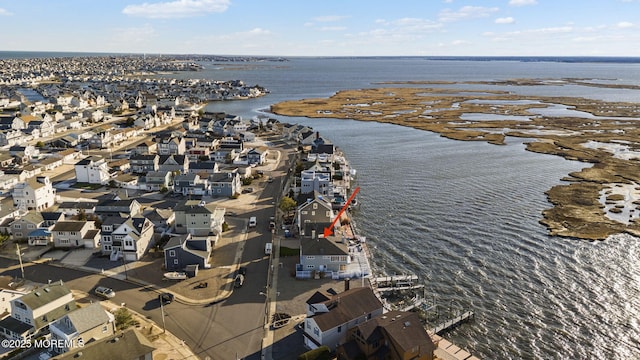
{"points": [[73, 234], [82, 326]]}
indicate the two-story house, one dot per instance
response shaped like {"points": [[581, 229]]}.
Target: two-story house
{"points": [[21, 227], [171, 146], [33, 312], [130, 239], [396, 335], [37, 194], [330, 317], [158, 180], [323, 255], [190, 184], [174, 163], [181, 251], [73, 234], [256, 156], [192, 218], [315, 210], [93, 170], [82, 326], [225, 184], [142, 164]]}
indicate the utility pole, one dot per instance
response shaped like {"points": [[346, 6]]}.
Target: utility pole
{"points": [[20, 259], [162, 311]]}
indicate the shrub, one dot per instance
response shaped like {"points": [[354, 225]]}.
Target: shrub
{"points": [[321, 353]]}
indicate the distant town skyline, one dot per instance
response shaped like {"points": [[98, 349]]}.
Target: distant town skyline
{"points": [[325, 28]]}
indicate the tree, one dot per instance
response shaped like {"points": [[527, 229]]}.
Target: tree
{"points": [[287, 204], [39, 144], [124, 319]]}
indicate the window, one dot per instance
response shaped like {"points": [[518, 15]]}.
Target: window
{"points": [[172, 253], [315, 206], [16, 226], [311, 266], [175, 261], [316, 331], [339, 328], [310, 257]]}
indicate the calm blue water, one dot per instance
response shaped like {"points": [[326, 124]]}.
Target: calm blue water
{"points": [[464, 215]]}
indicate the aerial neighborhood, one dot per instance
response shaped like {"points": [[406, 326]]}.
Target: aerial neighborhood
{"points": [[111, 156]]}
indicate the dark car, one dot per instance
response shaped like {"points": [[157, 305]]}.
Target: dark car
{"points": [[165, 298], [242, 271]]}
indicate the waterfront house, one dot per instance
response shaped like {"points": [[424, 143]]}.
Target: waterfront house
{"points": [[33, 312], [318, 181], [93, 170], [315, 210], [35, 193], [320, 256], [330, 317], [396, 335], [183, 250], [82, 326], [70, 234]]}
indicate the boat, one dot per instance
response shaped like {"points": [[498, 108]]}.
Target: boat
{"points": [[174, 275]]}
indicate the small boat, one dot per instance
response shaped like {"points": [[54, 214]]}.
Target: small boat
{"points": [[175, 275]]}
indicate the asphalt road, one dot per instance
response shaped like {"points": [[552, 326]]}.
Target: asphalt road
{"points": [[233, 328]]}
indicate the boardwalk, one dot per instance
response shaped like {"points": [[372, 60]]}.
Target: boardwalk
{"points": [[451, 323]]}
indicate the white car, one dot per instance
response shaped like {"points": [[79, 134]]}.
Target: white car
{"points": [[105, 292]]}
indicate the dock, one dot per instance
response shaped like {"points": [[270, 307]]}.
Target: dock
{"points": [[452, 323]]}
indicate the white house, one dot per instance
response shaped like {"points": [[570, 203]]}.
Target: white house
{"points": [[329, 317], [37, 194], [131, 239], [93, 170]]}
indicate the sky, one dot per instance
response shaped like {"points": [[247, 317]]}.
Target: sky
{"points": [[325, 27]]}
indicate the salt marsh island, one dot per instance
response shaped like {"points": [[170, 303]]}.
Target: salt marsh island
{"points": [[600, 200]]}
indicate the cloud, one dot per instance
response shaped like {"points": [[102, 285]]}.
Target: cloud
{"points": [[333, 28], [466, 12], [505, 20], [4, 12], [177, 8], [133, 35], [330, 18], [522, 2], [624, 25]]}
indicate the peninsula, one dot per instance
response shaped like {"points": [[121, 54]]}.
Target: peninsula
{"points": [[600, 200]]}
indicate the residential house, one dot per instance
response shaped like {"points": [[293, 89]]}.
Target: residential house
{"points": [[256, 156], [82, 326], [197, 220], [142, 164], [120, 165], [190, 184], [225, 184], [196, 154], [33, 312], [50, 163], [171, 145], [174, 163], [126, 181], [186, 249], [117, 208], [162, 219], [130, 345], [158, 180], [6, 296], [11, 137], [319, 181], [51, 218], [322, 256], [330, 317], [208, 167], [322, 146], [396, 335], [74, 234], [72, 208], [93, 170], [146, 148], [35, 193], [315, 210], [21, 227], [130, 239]]}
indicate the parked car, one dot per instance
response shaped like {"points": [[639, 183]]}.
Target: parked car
{"points": [[242, 271], [247, 190], [165, 298], [270, 179], [238, 281], [104, 292]]}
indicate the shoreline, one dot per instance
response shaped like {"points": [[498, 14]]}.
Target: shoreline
{"points": [[577, 211]]}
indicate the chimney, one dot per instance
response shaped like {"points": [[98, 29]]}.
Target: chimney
{"points": [[313, 233], [317, 135], [346, 284]]}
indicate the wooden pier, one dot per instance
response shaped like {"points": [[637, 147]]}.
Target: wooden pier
{"points": [[452, 323]]}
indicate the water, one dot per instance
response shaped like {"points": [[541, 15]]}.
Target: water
{"points": [[464, 215]]}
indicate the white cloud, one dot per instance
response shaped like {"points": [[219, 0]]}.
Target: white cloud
{"points": [[624, 25], [333, 28], [330, 18], [522, 2], [466, 12], [177, 8], [505, 20], [133, 35], [5, 12]]}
